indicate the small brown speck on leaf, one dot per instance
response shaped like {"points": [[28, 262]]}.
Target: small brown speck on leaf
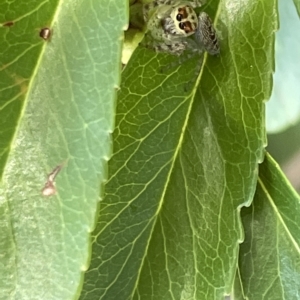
{"points": [[9, 24]]}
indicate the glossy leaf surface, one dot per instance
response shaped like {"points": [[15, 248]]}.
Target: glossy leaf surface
{"points": [[57, 108], [187, 143], [270, 256]]}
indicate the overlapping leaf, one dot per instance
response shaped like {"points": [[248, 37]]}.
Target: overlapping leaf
{"points": [[270, 256], [19, 54], [57, 107], [297, 4], [186, 149]]}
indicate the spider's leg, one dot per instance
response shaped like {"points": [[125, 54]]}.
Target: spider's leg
{"points": [[206, 34]]}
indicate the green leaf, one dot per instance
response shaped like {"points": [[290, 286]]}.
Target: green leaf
{"points": [[283, 109], [20, 50], [297, 4], [57, 107], [270, 255], [187, 143], [237, 292]]}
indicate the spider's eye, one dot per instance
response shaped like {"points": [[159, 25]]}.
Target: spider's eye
{"points": [[182, 26], [179, 17]]}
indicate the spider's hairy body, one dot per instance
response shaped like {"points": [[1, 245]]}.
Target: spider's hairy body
{"points": [[171, 22]]}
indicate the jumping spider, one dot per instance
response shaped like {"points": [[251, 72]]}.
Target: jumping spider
{"points": [[171, 22]]}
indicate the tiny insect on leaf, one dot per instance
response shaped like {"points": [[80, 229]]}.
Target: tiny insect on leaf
{"points": [[45, 33]]}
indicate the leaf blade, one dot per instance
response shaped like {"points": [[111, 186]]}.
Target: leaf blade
{"points": [[67, 118], [275, 249], [167, 126]]}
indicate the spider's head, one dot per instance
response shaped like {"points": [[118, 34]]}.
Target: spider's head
{"points": [[182, 21]]}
